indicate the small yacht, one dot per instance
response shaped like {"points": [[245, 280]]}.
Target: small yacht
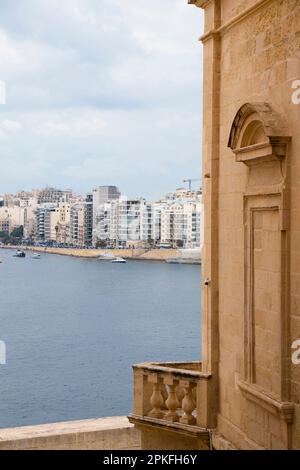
{"points": [[36, 256], [19, 254], [119, 260]]}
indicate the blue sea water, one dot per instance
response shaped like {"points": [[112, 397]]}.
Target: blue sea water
{"points": [[73, 328]]}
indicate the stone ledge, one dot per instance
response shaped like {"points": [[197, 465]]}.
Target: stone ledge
{"points": [[157, 434], [113, 433], [257, 395], [191, 431]]}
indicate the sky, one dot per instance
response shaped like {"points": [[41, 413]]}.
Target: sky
{"points": [[100, 92]]}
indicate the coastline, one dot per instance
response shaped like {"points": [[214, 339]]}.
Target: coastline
{"points": [[134, 254]]}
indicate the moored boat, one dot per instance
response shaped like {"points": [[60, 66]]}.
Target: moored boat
{"points": [[19, 254], [119, 260]]}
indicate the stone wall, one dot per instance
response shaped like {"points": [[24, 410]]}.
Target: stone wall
{"points": [[114, 433], [252, 57]]}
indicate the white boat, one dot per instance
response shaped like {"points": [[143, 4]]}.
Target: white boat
{"points": [[19, 254], [36, 256], [119, 260]]}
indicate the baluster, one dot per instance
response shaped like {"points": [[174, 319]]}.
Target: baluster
{"points": [[180, 395], [188, 406], [172, 405], [194, 394], [164, 395], [157, 402]]}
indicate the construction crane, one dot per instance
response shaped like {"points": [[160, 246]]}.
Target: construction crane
{"points": [[190, 181]]}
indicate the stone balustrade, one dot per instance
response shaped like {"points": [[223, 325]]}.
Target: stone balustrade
{"points": [[173, 395]]}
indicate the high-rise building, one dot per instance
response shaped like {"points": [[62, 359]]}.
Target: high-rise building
{"points": [[46, 219], [134, 221], [81, 222], [100, 196], [89, 218], [181, 224]]}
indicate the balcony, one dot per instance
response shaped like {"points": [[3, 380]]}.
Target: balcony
{"points": [[172, 397]]}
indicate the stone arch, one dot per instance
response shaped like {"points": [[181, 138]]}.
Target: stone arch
{"points": [[256, 123]]}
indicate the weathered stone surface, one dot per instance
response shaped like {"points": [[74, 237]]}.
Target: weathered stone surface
{"points": [[114, 433], [251, 306], [251, 57]]}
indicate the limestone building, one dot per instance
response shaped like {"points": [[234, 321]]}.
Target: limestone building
{"points": [[245, 393]]}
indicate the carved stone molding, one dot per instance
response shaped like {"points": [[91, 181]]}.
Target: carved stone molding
{"points": [[285, 410], [259, 139]]}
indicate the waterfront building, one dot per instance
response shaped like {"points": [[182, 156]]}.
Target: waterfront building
{"points": [[124, 222], [81, 222], [30, 221], [244, 394], [63, 233], [100, 196], [135, 221], [181, 224], [60, 223], [178, 219], [106, 227], [157, 209], [46, 219], [89, 218]]}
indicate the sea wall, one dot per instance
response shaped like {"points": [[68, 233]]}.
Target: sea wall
{"points": [[184, 256], [154, 255]]}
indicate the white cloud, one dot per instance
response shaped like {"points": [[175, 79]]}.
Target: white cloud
{"points": [[100, 91]]}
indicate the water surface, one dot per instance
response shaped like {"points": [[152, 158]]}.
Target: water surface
{"points": [[73, 328]]}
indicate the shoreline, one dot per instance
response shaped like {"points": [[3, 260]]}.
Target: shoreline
{"points": [[94, 253]]}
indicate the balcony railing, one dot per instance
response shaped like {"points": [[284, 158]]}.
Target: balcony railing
{"points": [[173, 395]]}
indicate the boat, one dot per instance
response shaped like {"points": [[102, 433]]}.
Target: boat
{"points": [[19, 254], [36, 256], [119, 260]]}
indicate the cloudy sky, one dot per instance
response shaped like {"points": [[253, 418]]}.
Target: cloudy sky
{"points": [[100, 92]]}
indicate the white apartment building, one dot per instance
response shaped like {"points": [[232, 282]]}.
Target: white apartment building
{"points": [[175, 220], [181, 219], [100, 196], [135, 221], [46, 219], [181, 224], [123, 222], [106, 219]]}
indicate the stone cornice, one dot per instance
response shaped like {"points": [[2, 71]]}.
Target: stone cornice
{"points": [[232, 22], [199, 3]]}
